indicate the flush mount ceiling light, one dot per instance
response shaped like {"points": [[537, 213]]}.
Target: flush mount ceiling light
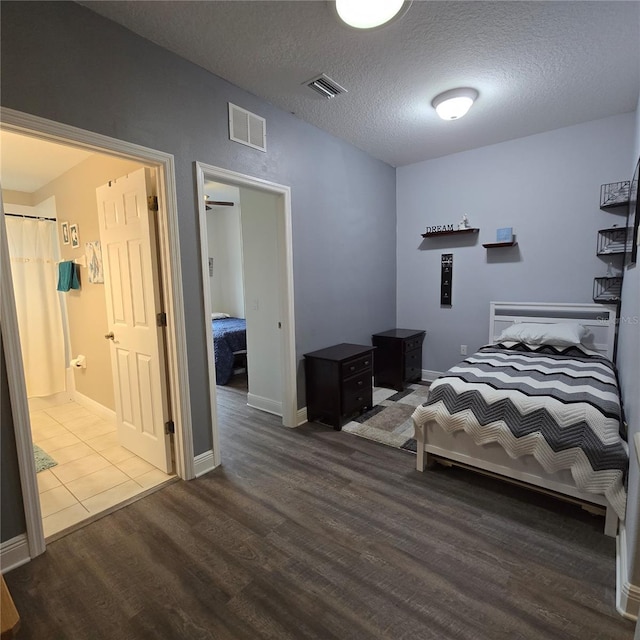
{"points": [[455, 103], [369, 14]]}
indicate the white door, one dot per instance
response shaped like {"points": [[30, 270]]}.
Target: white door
{"points": [[128, 239]]}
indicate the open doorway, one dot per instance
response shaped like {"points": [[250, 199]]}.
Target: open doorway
{"points": [[245, 231], [159, 167], [63, 302]]}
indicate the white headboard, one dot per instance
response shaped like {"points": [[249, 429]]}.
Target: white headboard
{"points": [[599, 319]]}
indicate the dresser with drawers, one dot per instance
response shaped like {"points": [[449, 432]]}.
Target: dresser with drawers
{"points": [[338, 383], [398, 357]]}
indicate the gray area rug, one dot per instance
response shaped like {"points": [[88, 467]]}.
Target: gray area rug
{"points": [[43, 460], [389, 420]]}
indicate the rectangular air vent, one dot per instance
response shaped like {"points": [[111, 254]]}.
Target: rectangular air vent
{"points": [[247, 128], [325, 86]]}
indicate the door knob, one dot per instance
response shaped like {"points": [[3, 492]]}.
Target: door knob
{"points": [[110, 336]]}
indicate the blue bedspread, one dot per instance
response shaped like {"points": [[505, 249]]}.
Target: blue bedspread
{"points": [[229, 335]]}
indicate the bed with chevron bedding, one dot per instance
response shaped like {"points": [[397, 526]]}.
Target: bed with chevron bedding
{"points": [[546, 415]]}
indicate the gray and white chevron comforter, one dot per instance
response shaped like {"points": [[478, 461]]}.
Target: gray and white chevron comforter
{"points": [[561, 406]]}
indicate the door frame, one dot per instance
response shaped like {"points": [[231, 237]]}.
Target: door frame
{"points": [[171, 284], [290, 414]]}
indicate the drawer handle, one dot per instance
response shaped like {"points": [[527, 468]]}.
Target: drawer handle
{"points": [[366, 362], [360, 383], [360, 399], [352, 368]]}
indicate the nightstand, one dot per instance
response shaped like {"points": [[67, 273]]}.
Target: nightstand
{"points": [[338, 383], [398, 357]]}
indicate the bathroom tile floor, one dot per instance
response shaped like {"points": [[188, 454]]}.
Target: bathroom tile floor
{"points": [[94, 472]]}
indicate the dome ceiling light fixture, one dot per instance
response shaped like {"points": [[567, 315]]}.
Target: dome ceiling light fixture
{"points": [[455, 103], [369, 14]]}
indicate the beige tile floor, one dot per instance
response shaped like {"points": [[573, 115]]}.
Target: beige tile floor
{"points": [[93, 473]]}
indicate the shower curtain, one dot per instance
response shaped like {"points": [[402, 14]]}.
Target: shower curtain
{"points": [[33, 250]]}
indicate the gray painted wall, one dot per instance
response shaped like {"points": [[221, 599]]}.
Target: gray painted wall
{"points": [[63, 62], [547, 187], [629, 370]]}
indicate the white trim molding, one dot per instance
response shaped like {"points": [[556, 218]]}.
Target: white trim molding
{"points": [[627, 594], [203, 463], [265, 404], [430, 376], [14, 553], [89, 403], [301, 416], [18, 398], [176, 344]]}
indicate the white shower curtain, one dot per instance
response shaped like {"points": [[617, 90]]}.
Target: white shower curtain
{"points": [[33, 249]]}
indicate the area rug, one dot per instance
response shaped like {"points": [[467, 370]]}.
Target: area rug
{"points": [[389, 420], [43, 460]]}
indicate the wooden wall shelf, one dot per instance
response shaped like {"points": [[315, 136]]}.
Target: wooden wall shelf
{"points": [[434, 234], [495, 245]]}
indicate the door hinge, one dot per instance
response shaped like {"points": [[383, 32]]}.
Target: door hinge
{"points": [[169, 427], [161, 319], [153, 203]]}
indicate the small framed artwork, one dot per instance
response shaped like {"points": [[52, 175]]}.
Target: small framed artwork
{"points": [[75, 237], [65, 232], [94, 262]]}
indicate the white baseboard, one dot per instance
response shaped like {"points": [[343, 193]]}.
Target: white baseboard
{"points": [[46, 402], [92, 405], [627, 594], [301, 416], [430, 376], [14, 553], [203, 463], [264, 404]]}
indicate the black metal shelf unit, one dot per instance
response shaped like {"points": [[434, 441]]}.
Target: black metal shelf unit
{"points": [[612, 242]]}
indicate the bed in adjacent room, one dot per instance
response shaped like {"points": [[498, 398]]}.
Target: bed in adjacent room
{"points": [[229, 337], [539, 405]]}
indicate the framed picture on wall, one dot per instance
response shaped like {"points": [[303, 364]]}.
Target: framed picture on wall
{"points": [[75, 237], [94, 262], [65, 232]]}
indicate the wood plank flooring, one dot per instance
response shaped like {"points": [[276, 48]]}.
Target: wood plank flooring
{"points": [[316, 534]]}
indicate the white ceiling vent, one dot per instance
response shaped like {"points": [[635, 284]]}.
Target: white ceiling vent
{"points": [[325, 86], [247, 128]]}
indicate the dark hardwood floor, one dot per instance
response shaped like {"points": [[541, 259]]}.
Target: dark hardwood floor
{"points": [[314, 533]]}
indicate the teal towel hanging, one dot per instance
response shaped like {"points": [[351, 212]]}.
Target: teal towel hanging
{"points": [[68, 276]]}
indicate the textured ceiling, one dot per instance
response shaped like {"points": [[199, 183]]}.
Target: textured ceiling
{"points": [[537, 65]]}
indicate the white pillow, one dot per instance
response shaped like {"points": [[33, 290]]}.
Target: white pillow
{"points": [[217, 315], [562, 334]]}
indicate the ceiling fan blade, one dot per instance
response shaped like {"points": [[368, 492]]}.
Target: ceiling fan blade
{"points": [[219, 203]]}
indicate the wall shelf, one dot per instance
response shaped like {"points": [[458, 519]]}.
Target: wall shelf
{"points": [[616, 207], [614, 195], [495, 245], [434, 234], [613, 241], [607, 289]]}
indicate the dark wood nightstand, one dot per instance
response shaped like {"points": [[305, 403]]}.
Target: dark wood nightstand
{"points": [[338, 383], [398, 357]]}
